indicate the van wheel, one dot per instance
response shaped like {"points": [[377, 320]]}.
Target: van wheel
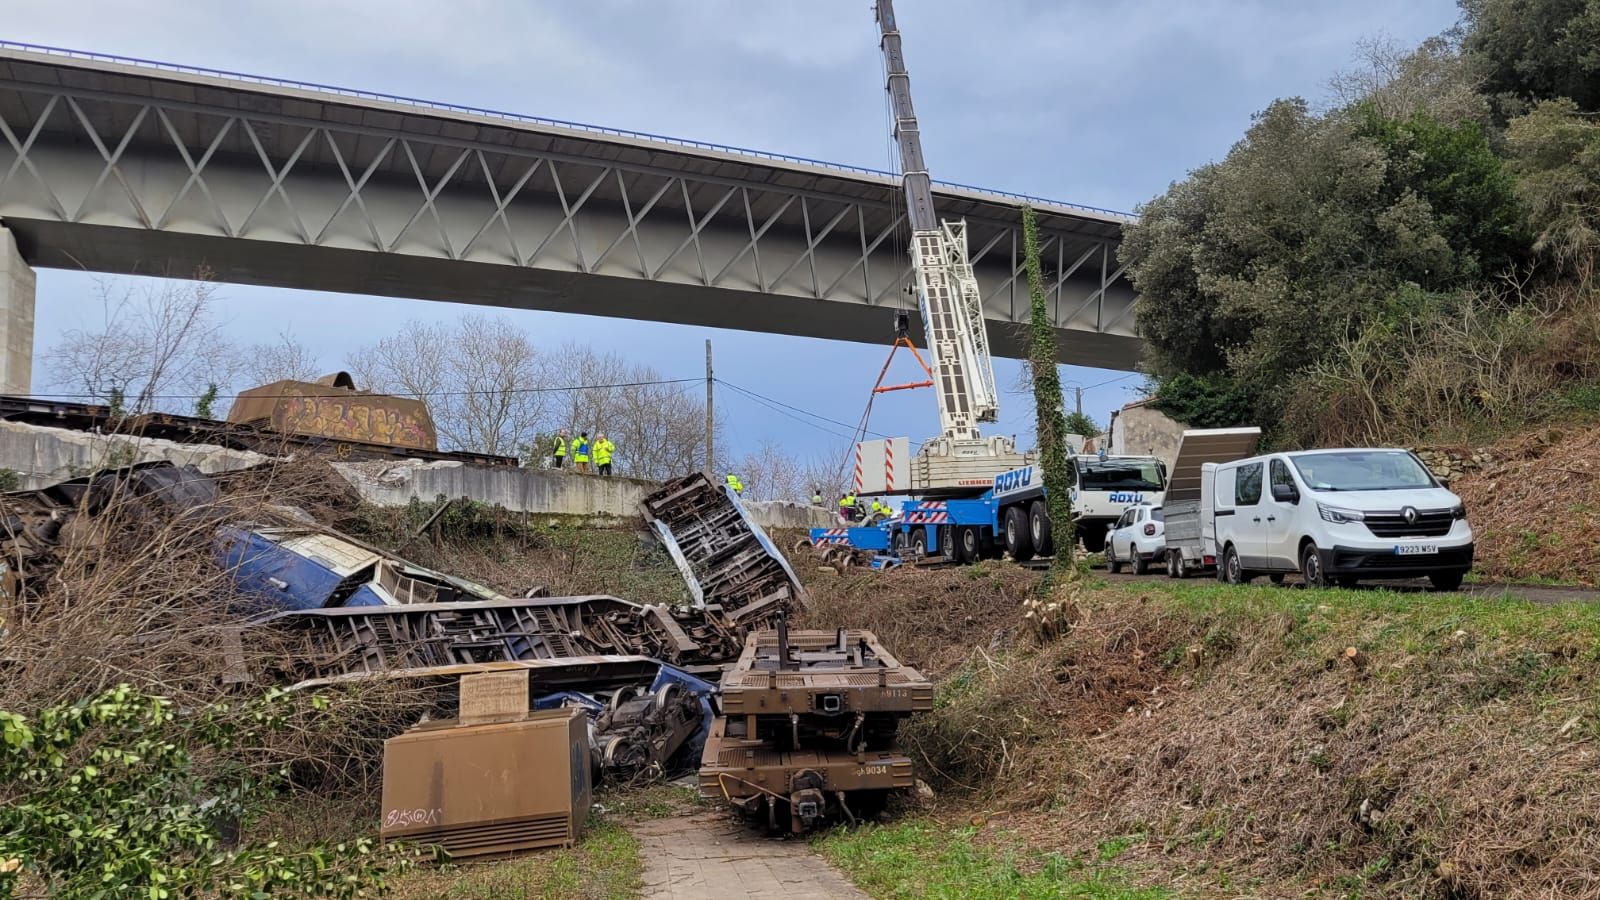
{"points": [[1232, 570], [1039, 528], [1140, 566], [1447, 581], [1311, 567], [1019, 537], [1111, 559], [919, 543], [968, 547]]}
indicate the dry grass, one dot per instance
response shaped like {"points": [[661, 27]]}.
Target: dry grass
{"points": [[513, 553], [1225, 738], [134, 595], [929, 619], [1536, 510]]}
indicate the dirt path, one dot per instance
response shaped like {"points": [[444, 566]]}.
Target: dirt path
{"points": [[705, 856]]}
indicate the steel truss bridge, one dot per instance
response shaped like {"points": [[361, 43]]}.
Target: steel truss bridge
{"points": [[131, 166]]}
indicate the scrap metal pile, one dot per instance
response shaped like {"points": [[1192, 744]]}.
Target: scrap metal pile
{"points": [[328, 608], [807, 732]]}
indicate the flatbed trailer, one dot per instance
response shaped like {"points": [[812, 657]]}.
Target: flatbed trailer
{"points": [[1190, 529]]}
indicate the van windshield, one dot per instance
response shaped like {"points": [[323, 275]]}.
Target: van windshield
{"points": [[1362, 470], [1120, 475]]}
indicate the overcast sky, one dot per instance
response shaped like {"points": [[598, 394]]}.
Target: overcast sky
{"points": [[1090, 102]]}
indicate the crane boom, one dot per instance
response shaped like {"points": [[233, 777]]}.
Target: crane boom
{"points": [[947, 292]]}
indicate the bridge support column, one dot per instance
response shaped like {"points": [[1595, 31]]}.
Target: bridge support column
{"points": [[17, 284]]}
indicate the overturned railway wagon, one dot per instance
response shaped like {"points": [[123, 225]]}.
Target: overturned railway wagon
{"points": [[727, 561]]}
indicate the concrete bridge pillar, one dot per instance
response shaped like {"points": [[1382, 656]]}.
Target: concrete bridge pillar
{"points": [[17, 283]]}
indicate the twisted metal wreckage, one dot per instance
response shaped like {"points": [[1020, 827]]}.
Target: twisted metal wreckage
{"points": [[805, 718], [348, 611]]}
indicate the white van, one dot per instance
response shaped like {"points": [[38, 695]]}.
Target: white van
{"points": [[1337, 516]]}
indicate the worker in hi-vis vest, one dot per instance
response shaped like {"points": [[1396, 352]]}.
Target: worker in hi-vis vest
{"points": [[580, 452], [816, 496], [558, 451], [602, 453], [847, 506], [734, 482]]}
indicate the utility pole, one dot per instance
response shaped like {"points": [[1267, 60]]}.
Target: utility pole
{"points": [[711, 460], [1079, 404]]}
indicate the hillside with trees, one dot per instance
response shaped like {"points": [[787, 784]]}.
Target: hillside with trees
{"points": [[1414, 260]]}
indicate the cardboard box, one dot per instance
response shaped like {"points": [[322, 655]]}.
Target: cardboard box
{"points": [[493, 697]]}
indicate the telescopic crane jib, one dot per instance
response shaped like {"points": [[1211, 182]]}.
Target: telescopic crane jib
{"points": [[960, 458]]}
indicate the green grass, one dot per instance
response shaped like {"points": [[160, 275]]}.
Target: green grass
{"points": [[922, 859], [605, 865], [1410, 613]]}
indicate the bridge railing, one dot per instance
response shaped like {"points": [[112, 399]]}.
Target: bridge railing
{"points": [[529, 119]]}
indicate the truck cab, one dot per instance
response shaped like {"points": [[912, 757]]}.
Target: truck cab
{"points": [[1103, 488], [1107, 486]]}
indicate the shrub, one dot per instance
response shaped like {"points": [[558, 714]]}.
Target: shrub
{"points": [[105, 797]]}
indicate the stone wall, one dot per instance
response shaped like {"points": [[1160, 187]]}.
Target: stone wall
{"points": [[1140, 430], [1450, 464]]}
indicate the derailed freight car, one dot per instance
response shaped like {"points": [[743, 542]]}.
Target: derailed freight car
{"points": [[808, 728]]}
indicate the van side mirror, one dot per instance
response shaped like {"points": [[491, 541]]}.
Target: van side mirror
{"points": [[1285, 493]]}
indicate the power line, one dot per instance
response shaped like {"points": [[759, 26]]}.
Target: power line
{"points": [[783, 412], [424, 395], [1102, 384], [807, 412]]}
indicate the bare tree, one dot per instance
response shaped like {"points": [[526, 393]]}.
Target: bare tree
{"points": [[772, 473], [285, 358], [657, 425], [481, 379], [1400, 81], [158, 346]]}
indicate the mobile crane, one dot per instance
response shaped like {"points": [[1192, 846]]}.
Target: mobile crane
{"points": [[976, 496], [960, 458]]}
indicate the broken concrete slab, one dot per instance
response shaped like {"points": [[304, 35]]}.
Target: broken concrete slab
{"points": [[45, 456]]}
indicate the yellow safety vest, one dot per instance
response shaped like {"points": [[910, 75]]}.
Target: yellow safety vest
{"points": [[580, 450], [735, 483], [602, 452], [847, 500], [561, 447]]}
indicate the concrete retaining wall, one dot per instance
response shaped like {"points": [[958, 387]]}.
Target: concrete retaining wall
{"points": [[44, 456], [536, 491], [547, 491]]}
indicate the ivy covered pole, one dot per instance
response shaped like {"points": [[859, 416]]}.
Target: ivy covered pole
{"points": [[1051, 426]]}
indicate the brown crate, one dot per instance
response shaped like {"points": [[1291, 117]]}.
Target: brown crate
{"points": [[493, 697]]}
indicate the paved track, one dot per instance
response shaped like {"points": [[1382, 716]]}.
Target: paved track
{"points": [[706, 856]]}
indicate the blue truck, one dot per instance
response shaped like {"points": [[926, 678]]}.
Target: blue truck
{"points": [[1009, 517]]}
